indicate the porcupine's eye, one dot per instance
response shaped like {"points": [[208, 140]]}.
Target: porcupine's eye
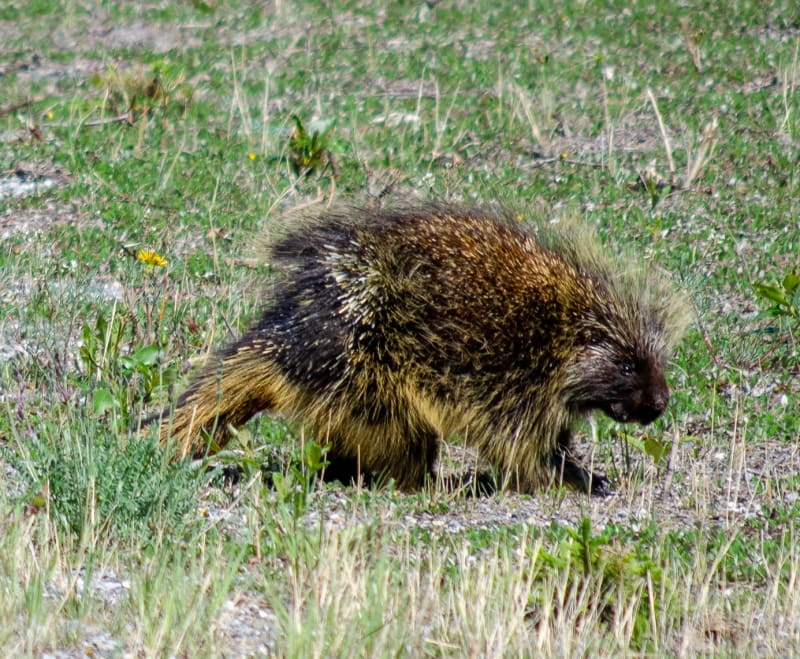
{"points": [[627, 369]]}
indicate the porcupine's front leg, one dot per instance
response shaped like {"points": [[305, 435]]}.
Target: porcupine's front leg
{"points": [[571, 474]]}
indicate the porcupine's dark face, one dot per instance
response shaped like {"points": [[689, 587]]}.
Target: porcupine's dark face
{"points": [[627, 385], [635, 391]]}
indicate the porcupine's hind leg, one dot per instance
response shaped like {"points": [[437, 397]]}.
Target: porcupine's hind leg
{"points": [[236, 383]]}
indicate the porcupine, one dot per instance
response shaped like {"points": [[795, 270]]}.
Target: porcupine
{"points": [[393, 329]]}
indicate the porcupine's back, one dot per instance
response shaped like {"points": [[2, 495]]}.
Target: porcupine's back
{"points": [[430, 291]]}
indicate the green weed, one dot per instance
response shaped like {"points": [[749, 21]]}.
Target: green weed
{"points": [[783, 297], [308, 151], [92, 483]]}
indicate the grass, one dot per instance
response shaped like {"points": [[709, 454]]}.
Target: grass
{"points": [[184, 129]]}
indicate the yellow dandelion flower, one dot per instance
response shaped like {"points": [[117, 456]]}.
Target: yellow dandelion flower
{"points": [[151, 258], [49, 115], [251, 155]]}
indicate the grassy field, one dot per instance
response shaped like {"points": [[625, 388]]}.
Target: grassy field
{"points": [[144, 145]]}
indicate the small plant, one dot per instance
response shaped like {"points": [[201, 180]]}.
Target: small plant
{"points": [[784, 297], [693, 37], [89, 482], [295, 485], [119, 379], [657, 449], [308, 148], [141, 93], [654, 185], [619, 571]]}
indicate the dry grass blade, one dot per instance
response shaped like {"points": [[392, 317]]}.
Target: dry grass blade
{"points": [[663, 131], [702, 153]]}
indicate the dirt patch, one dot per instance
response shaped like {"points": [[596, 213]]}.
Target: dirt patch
{"points": [[31, 179], [34, 221], [158, 39]]}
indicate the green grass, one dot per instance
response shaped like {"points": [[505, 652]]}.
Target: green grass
{"points": [[170, 127]]}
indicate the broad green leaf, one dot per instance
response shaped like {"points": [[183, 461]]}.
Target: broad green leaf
{"points": [[103, 401], [773, 293], [656, 449], [790, 282]]}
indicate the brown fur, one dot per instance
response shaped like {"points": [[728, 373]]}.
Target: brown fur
{"points": [[395, 328]]}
